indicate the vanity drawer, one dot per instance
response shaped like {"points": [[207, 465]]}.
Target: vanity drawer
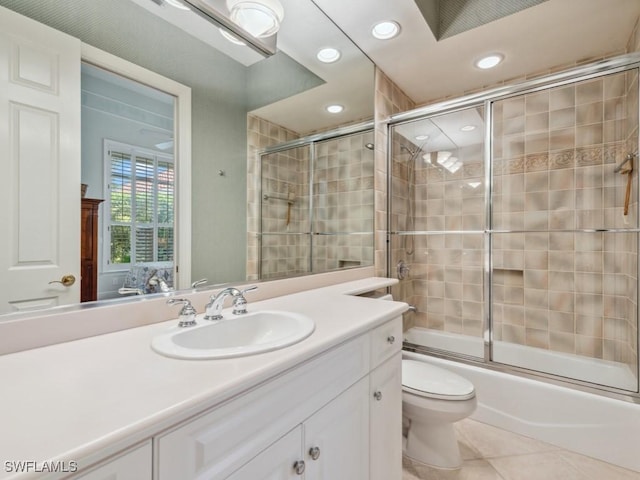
{"points": [[215, 444], [385, 341]]}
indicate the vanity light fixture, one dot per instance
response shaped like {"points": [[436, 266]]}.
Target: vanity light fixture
{"points": [[177, 4], [329, 55], [489, 61], [335, 108], [386, 30], [261, 18], [231, 38], [468, 128], [422, 138]]}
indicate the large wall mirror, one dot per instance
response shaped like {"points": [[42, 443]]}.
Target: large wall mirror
{"points": [[243, 106]]}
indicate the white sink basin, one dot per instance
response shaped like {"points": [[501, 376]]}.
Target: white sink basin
{"points": [[235, 335]]}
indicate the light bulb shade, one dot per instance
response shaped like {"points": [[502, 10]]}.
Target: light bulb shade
{"points": [[261, 18], [231, 38]]}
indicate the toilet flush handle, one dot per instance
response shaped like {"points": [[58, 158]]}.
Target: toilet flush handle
{"points": [[377, 395]]}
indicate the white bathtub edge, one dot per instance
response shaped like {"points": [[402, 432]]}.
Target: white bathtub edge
{"points": [[592, 425]]}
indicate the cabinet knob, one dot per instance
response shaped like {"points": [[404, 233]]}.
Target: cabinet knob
{"points": [[377, 395], [314, 453], [298, 467], [391, 339]]}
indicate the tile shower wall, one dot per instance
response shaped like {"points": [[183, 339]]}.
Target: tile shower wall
{"points": [[261, 134], [285, 213], [342, 204], [389, 99], [553, 169], [446, 277]]}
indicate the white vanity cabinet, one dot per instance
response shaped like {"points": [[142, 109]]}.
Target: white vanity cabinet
{"points": [[386, 401], [331, 444], [134, 464], [386, 420], [334, 417]]}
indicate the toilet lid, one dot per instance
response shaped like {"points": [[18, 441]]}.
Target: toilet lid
{"points": [[428, 380]]}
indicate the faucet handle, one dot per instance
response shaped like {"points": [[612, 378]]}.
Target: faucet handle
{"points": [[187, 312], [240, 303], [248, 289]]}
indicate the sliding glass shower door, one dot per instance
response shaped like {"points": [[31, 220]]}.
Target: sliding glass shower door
{"points": [[317, 206], [565, 219], [437, 227], [514, 229]]}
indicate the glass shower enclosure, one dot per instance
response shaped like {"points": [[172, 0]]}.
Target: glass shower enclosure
{"points": [[513, 225], [316, 212]]}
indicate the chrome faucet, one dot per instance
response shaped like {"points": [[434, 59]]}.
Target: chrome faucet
{"points": [[154, 282], [187, 312], [214, 307]]}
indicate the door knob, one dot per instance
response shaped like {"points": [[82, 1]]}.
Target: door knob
{"points": [[66, 280]]}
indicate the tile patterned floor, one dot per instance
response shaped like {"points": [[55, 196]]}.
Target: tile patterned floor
{"points": [[490, 453]]}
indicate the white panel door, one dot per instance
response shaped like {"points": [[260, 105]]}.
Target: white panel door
{"points": [[40, 180], [336, 445]]}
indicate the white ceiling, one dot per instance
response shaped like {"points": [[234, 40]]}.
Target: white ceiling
{"points": [[555, 32]]}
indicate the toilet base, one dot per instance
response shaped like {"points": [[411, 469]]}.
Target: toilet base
{"points": [[435, 445]]}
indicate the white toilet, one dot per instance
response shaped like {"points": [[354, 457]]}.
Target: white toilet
{"points": [[432, 400]]}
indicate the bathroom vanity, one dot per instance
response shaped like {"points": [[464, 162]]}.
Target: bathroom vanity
{"points": [[328, 407]]}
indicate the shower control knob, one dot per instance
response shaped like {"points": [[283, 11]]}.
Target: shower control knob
{"points": [[314, 453], [391, 339], [298, 467], [377, 395]]}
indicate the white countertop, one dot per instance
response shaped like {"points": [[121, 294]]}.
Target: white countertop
{"points": [[80, 400]]}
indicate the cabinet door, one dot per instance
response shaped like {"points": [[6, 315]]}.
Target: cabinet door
{"points": [[135, 465], [340, 433], [276, 462], [386, 420]]}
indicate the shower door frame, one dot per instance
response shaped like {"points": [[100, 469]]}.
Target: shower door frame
{"points": [[308, 141], [486, 99]]}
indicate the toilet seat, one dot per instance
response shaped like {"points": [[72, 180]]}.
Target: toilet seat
{"points": [[429, 381]]}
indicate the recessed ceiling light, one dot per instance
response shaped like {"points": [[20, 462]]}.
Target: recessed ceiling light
{"points": [[468, 128], [335, 108], [177, 4], [422, 137], [385, 30], [489, 61], [328, 55]]}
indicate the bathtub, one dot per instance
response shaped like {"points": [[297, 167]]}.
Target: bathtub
{"points": [[590, 424], [593, 370]]}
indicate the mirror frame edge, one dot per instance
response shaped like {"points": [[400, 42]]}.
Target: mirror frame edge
{"points": [[182, 149]]}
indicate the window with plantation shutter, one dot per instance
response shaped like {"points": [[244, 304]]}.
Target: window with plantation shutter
{"points": [[139, 205]]}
